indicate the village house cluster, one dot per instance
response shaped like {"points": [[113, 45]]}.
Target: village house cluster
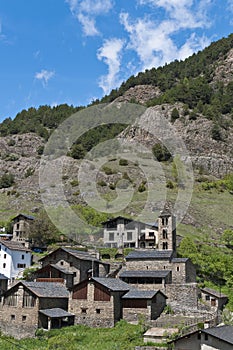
{"points": [[77, 287]]}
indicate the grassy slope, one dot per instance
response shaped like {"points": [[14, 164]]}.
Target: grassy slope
{"points": [[123, 337]]}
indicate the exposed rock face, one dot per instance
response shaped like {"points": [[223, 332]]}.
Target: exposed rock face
{"points": [[140, 93], [224, 71], [213, 156]]}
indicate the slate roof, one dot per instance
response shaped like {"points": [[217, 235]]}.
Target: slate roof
{"points": [[140, 294], [12, 245], [179, 260], [151, 254], [114, 284], [213, 293], [47, 289], [224, 333], [3, 277], [145, 273], [152, 224], [26, 216], [79, 254], [55, 313]]}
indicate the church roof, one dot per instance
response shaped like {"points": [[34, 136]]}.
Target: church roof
{"points": [[149, 254]]}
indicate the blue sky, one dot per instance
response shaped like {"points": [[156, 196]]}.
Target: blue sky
{"points": [[74, 51]]}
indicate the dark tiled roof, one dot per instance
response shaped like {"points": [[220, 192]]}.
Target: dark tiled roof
{"points": [[55, 312], [145, 273], [224, 333], [12, 245], [213, 293], [179, 260], [140, 294], [150, 254], [47, 289], [152, 224], [26, 216], [114, 284], [3, 277], [79, 254]]}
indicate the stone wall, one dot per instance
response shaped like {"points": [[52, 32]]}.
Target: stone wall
{"points": [[19, 321], [182, 296]]}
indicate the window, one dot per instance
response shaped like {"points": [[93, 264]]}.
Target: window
{"points": [[164, 234], [21, 266], [12, 317], [206, 336], [24, 318], [98, 311], [62, 263], [177, 268], [207, 297], [111, 236], [74, 274], [4, 256], [22, 257], [129, 236], [151, 234], [165, 245], [164, 221], [84, 310], [71, 264], [4, 265], [213, 302], [199, 336]]}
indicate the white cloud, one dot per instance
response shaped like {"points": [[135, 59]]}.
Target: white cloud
{"points": [[44, 76], [110, 53], [86, 12], [230, 8], [193, 44], [154, 42], [88, 24]]}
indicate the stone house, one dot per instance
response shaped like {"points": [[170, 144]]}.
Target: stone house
{"points": [[161, 269], [101, 302], [148, 303], [14, 258], [220, 337], [71, 261], [21, 228], [214, 301], [97, 302], [27, 306], [53, 272], [123, 232]]}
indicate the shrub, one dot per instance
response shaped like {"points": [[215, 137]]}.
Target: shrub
{"points": [[216, 133], [142, 187], [160, 152], [101, 183], [123, 162], [11, 142], [174, 115], [40, 150], [29, 172], [74, 183], [7, 180], [108, 170]]}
